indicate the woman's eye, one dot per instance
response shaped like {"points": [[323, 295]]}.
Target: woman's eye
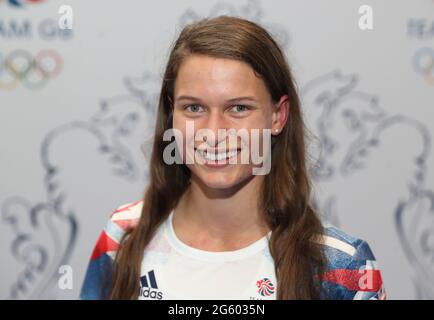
{"points": [[196, 108], [193, 108], [239, 108]]}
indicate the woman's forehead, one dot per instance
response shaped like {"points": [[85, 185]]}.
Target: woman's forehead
{"points": [[216, 77]]}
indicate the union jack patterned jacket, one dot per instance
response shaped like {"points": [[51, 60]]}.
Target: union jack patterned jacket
{"points": [[352, 271]]}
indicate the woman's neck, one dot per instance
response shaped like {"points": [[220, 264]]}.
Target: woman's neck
{"points": [[220, 219]]}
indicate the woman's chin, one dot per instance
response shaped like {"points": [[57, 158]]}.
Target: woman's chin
{"points": [[218, 181], [222, 180]]}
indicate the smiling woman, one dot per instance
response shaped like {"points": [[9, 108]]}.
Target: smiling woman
{"points": [[228, 95], [212, 230]]}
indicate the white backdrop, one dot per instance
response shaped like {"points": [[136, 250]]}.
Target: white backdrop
{"points": [[71, 135]]}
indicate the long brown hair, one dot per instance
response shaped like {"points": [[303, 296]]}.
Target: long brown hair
{"points": [[286, 189]]}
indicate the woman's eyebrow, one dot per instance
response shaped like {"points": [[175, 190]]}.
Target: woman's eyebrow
{"points": [[230, 100]]}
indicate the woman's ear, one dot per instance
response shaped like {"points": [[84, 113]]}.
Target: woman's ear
{"points": [[280, 114]]}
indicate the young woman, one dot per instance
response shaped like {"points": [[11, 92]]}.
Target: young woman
{"points": [[212, 229]]}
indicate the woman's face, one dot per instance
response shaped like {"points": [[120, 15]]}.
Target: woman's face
{"points": [[206, 98]]}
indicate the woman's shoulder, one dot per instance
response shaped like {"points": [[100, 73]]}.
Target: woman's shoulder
{"points": [[95, 284], [352, 271], [127, 215], [343, 244], [122, 219]]}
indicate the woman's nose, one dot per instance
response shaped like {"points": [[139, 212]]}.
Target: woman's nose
{"points": [[216, 121]]}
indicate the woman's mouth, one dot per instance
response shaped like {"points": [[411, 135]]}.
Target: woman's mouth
{"points": [[217, 158]]}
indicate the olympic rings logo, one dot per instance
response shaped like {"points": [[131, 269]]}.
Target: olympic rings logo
{"points": [[423, 63], [33, 72]]}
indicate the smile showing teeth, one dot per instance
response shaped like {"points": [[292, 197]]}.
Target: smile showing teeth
{"points": [[217, 156]]}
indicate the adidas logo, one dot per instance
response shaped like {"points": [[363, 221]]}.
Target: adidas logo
{"points": [[148, 282]]}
